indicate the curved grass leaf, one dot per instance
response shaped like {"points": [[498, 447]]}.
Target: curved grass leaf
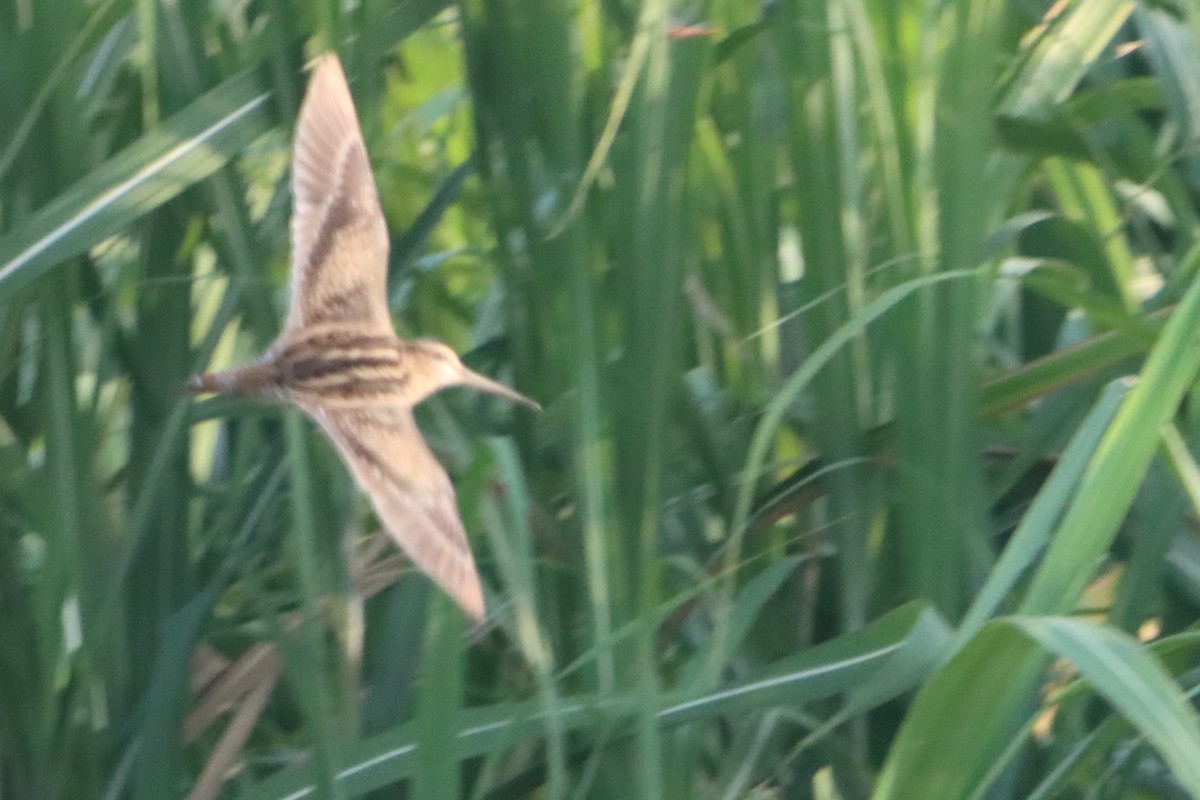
{"points": [[990, 685], [1071, 43], [1112, 478], [908, 641], [1133, 682], [188, 147], [1036, 527]]}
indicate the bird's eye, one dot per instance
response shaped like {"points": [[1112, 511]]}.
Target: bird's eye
{"points": [[440, 352]]}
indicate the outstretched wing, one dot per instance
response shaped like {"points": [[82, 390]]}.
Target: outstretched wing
{"points": [[410, 492], [339, 235]]}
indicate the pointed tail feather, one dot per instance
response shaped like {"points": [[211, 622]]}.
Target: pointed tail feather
{"points": [[253, 380], [206, 382]]}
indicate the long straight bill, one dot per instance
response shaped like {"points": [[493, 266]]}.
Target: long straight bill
{"points": [[477, 381]]}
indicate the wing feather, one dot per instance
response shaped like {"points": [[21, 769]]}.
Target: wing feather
{"points": [[410, 493], [339, 234]]}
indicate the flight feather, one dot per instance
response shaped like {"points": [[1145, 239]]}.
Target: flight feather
{"points": [[339, 234]]}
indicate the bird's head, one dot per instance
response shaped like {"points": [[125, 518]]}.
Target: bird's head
{"points": [[444, 369]]}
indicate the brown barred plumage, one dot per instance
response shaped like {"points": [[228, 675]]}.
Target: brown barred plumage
{"points": [[338, 358]]}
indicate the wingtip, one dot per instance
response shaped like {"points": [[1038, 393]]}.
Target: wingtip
{"points": [[325, 76], [463, 586], [470, 599], [325, 62]]}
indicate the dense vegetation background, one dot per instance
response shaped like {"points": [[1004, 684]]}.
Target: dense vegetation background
{"points": [[841, 490]]}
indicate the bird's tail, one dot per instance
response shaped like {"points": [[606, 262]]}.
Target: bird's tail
{"points": [[206, 382], [253, 380]]}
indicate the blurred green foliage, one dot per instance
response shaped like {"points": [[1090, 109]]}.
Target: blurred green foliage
{"points": [[842, 490]]}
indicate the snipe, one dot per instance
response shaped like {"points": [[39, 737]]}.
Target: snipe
{"points": [[338, 357]]}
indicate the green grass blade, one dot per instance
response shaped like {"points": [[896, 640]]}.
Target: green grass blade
{"points": [[773, 416], [869, 656], [1038, 524], [1133, 682], [512, 542], [186, 149], [436, 772], [306, 667], [1112, 478], [1070, 45], [992, 681]]}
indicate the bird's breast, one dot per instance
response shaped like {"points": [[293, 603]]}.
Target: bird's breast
{"points": [[345, 368]]}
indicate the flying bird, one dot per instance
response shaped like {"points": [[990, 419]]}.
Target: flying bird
{"points": [[338, 358]]}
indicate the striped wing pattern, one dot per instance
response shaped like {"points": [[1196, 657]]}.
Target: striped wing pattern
{"points": [[339, 355], [339, 359], [339, 234], [345, 366], [410, 493]]}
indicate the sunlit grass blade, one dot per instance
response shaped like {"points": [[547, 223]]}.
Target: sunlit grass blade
{"points": [[931, 756], [164, 162], [1038, 524], [1111, 479], [1069, 44], [1132, 681], [507, 521]]}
